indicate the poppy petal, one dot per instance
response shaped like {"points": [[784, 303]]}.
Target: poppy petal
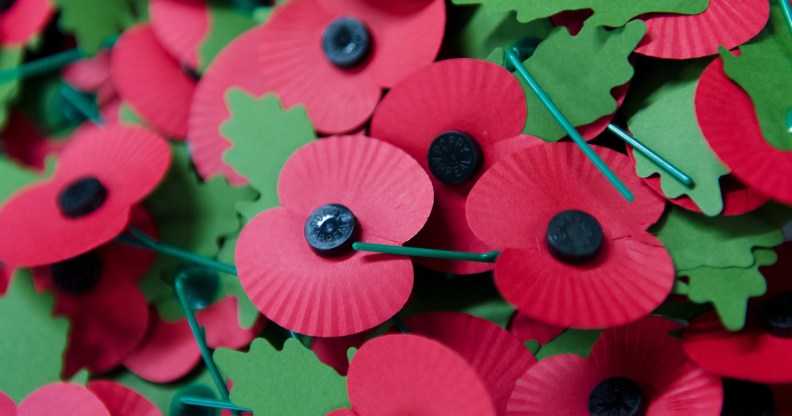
{"points": [[630, 277], [89, 74], [151, 81], [407, 374], [729, 123], [558, 385], [24, 20], [497, 356], [180, 26], [23, 141], [58, 399], [7, 405], [333, 351], [167, 353], [727, 23], [528, 329], [122, 401], [231, 68]]}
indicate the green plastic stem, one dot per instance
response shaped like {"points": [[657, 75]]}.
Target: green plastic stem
{"points": [[787, 9], [513, 60], [650, 154], [83, 105], [426, 252], [49, 63], [200, 337], [143, 241], [215, 404], [400, 325]]}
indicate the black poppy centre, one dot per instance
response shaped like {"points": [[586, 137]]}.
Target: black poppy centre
{"points": [[81, 197], [77, 275], [617, 396], [453, 157], [574, 237], [346, 42], [331, 229], [777, 315]]}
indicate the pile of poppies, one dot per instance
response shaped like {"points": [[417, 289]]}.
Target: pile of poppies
{"points": [[364, 208]]}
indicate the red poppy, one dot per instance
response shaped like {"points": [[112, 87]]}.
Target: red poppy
{"points": [[528, 329], [93, 75], [121, 400], [728, 120], [761, 351], [582, 257], [180, 27], [476, 104], [497, 356], [23, 141], [637, 366], [22, 20], [100, 175], [408, 374], [98, 292], [335, 56], [333, 351], [152, 82], [169, 351], [302, 274], [57, 399], [231, 68]]}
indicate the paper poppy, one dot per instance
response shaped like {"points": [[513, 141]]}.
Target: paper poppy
{"points": [[180, 27], [728, 120], [100, 175], [121, 400], [169, 351], [98, 292], [23, 141], [295, 261], [152, 82], [22, 20], [58, 399], [528, 329], [727, 23], [93, 75], [449, 116], [408, 374], [634, 369], [335, 56], [333, 351], [498, 357], [231, 68], [762, 350], [581, 257]]}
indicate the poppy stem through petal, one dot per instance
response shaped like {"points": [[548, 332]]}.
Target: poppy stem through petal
{"points": [[81, 103], [50, 63], [199, 333], [650, 154], [427, 252], [216, 404], [140, 239], [512, 60]]}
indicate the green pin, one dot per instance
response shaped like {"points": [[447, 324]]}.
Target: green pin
{"points": [[658, 160], [82, 104], [49, 64], [787, 9], [426, 252]]}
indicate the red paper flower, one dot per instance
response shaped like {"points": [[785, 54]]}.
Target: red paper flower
{"points": [[333, 351], [408, 374], [576, 253], [335, 56], [152, 82], [728, 120], [637, 366], [23, 141], [180, 26], [100, 175], [100, 398], [169, 351], [528, 329], [21, 20], [760, 352], [93, 75], [98, 292], [121, 400], [456, 118], [333, 192]]}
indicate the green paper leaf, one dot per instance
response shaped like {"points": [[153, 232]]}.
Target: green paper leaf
{"points": [[90, 23], [663, 117], [32, 348], [685, 311], [578, 73], [14, 176], [729, 289], [611, 13], [225, 24], [231, 286], [287, 382], [764, 71], [486, 31], [192, 215], [126, 115], [264, 135], [9, 58], [695, 240], [571, 341]]}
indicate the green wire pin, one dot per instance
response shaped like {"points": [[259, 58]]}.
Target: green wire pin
{"points": [[426, 252], [50, 63]]}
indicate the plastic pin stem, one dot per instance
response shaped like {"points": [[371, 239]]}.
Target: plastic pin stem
{"points": [[49, 64], [200, 338], [140, 239], [400, 325], [512, 60], [650, 154], [426, 252], [787, 9], [83, 105], [215, 404]]}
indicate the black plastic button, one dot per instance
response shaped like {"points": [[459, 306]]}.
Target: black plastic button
{"points": [[743, 398], [617, 396], [77, 275], [453, 157], [346, 42], [331, 229], [777, 315], [82, 197], [574, 237]]}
